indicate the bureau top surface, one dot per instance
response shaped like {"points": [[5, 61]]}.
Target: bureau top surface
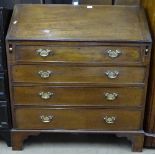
{"points": [[78, 23]]}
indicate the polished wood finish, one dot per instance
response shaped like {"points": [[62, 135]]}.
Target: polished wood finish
{"points": [[138, 142], [72, 77], [75, 119], [97, 75], [149, 5], [79, 54], [18, 138], [79, 96], [50, 27]]}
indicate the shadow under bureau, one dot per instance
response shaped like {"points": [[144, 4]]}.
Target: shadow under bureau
{"points": [[78, 69]]}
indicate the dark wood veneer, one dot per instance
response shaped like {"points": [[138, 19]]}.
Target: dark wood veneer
{"points": [[77, 70], [78, 96]]}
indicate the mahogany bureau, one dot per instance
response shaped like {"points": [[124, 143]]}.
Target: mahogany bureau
{"points": [[78, 69]]}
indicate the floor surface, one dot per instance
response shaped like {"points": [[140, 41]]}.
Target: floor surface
{"points": [[74, 143]]}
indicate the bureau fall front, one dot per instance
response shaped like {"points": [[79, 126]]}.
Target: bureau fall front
{"points": [[78, 69]]}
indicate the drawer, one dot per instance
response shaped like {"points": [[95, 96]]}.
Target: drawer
{"points": [[74, 119], [3, 115], [89, 54], [66, 74], [78, 96]]}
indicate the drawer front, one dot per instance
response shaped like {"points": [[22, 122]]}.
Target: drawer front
{"points": [[3, 115], [92, 119], [65, 74], [78, 96], [89, 54]]}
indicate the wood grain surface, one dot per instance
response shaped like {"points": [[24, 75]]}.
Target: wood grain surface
{"points": [[41, 22]]}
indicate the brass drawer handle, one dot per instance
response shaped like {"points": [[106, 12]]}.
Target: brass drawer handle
{"points": [[45, 74], [112, 74], [111, 96], [113, 53], [44, 52], [46, 119], [110, 119], [46, 95]]}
